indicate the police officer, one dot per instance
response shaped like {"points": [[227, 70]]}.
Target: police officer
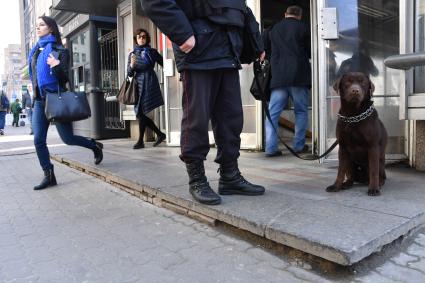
{"points": [[207, 43]]}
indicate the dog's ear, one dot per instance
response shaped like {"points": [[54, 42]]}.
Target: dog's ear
{"points": [[371, 88]]}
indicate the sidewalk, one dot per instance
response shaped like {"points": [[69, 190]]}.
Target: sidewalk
{"points": [[85, 230], [296, 210]]}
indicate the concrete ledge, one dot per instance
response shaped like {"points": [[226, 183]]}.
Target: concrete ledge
{"points": [[343, 228]]}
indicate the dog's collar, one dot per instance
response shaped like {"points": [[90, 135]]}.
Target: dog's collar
{"points": [[358, 118]]}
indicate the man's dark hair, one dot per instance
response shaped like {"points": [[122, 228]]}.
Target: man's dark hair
{"points": [[294, 10], [138, 32], [51, 23]]}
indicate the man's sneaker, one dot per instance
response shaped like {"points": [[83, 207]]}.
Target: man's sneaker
{"points": [[303, 150]]}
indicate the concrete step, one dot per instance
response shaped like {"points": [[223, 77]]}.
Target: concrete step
{"points": [[343, 227]]}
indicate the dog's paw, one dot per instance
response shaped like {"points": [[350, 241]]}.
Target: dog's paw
{"points": [[332, 189], [347, 185], [374, 192]]}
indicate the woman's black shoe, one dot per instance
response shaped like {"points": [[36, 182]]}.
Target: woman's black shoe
{"points": [[98, 153], [139, 144], [159, 139], [49, 180]]}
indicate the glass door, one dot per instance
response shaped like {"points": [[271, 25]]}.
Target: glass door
{"points": [[412, 85], [173, 93], [368, 32]]}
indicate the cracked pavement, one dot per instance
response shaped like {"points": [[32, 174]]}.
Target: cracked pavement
{"points": [[84, 230]]}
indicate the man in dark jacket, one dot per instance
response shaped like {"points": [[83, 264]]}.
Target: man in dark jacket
{"points": [[4, 108], [207, 43], [289, 43], [27, 105]]}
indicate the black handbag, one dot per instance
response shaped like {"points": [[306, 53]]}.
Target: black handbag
{"points": [[67, 106], [129, 92], [260, 87], [252, 43]]}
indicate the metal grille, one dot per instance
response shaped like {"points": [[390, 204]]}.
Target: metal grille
{"points": [[109, 79]]}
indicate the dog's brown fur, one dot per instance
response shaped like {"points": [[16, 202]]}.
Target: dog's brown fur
{"points": [[361, 145]]}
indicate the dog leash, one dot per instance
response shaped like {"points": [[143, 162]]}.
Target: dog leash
{"points": [[266, 110]]}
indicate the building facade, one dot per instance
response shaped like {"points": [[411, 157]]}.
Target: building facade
{"points": [[343, 32], [12, 70]]}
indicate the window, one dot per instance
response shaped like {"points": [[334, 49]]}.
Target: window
{"points": [[83, 57], [76, 57]]}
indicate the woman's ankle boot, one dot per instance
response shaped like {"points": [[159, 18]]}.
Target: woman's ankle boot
{"points": [[49, 180], [98, 152]]}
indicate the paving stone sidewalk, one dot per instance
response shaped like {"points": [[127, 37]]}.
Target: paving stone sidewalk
{"points": [[85, 230]]}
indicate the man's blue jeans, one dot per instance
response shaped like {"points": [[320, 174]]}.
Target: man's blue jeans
{"points": [[40, 125], [278, 100]]}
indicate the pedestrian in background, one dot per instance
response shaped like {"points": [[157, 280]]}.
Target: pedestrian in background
{"points": [[48, 68], [207, 44], [141, 63], [16, 109], [291, 77], [27, 105], [4, 108]]}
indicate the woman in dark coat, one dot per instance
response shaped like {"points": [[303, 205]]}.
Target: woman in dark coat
{"points": [[141, 64], [48, 64]]}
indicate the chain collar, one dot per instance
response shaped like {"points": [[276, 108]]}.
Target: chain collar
{"points": [[358, 118]]}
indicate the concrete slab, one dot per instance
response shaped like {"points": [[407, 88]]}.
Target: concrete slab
{"points": [[296, 210]]}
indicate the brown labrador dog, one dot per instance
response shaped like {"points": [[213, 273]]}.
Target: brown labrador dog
{"points": [[361, 136]]}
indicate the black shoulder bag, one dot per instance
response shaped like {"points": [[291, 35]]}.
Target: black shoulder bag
{"points": [[67, 106]]}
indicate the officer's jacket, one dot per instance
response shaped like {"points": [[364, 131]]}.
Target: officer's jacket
{"points": [[218, 32]]}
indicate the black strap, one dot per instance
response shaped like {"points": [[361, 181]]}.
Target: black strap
{"points": [[266, 110]]}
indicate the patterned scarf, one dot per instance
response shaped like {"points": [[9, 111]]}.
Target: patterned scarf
{"points": [[44, 76], [145, 53]]}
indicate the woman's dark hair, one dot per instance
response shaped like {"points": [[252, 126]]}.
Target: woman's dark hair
{"points": [[51, 23], [139, 31]]}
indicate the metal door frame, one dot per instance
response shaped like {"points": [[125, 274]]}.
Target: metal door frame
{"points": [[319, 83], [406, 83], [319, 79]]}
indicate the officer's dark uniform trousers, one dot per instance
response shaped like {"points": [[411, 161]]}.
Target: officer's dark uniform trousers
{"points": [[215, 95]]}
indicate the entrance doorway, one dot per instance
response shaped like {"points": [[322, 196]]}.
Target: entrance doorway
{"points": [[368, 32], [273, 11]]}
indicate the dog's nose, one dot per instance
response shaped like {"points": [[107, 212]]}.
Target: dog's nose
{"points": [[355, 91]]}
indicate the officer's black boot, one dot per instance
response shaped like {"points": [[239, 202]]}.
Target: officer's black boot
{"points": [[233, 183], [198, 185], [49, 180]]}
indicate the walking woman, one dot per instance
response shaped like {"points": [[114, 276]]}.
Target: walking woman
{"points": [[140, 65], [48, 68]]}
